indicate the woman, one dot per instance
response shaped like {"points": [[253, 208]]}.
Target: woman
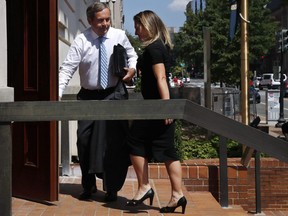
{"points": [[154, 138]]}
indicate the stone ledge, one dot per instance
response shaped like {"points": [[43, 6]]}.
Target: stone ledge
{"points": [[196, 169], [6, 94]]}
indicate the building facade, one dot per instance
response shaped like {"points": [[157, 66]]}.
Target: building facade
{"points": [[6, 93]]}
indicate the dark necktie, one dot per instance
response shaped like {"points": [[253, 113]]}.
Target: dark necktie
{"points": [[103, 64]]}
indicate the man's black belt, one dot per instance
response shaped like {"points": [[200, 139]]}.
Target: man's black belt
{"points": [[96, 94], [101, 91]]}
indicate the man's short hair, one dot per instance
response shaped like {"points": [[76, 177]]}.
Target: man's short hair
{"points": [[94, 8]]}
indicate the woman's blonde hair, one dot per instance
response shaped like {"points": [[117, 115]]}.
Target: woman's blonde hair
{"points": [[154, 26]]}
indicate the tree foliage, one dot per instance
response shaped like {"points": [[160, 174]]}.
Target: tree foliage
{"points": [[135, 42], [225, 54]]}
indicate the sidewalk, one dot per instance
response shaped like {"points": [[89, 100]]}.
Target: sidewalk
{"points": [[199, 203], [276, 132], [273, 130]]}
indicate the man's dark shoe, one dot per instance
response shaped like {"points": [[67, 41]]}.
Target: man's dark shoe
{"points": [[110, 197], [86, 194], [94, 189]]}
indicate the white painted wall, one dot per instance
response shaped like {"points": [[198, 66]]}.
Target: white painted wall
{"points": [[72, 21], [3, 45], [6, 93]]}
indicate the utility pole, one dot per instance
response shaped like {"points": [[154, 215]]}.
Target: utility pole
{"points": [[244, 62], [247, 152]]}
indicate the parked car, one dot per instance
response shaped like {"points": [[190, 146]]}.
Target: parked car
{"points": [[186, 79], [175, 82], [254, 95], [270, 81]]}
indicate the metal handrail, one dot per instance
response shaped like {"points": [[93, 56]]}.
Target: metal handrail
{"points": [[127, 110]]}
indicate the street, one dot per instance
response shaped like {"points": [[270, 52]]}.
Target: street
{"points": [[261, 107]]}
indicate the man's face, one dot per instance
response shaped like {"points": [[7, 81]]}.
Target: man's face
{"points": [[101, 22]]}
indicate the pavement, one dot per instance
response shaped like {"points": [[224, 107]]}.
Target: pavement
{"points": [[199, 203], [273, 130]]}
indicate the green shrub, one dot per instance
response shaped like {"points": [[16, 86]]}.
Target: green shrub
{"points": [[195, 142], [138, 85], [196, 149], [178, 139]]}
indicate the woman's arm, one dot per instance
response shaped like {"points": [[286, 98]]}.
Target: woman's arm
{"points": [[160, 75]]}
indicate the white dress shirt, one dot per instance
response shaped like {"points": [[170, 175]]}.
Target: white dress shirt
{"points": [[84, 53]]}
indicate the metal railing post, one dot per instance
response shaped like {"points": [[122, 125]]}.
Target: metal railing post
{"points": [[223, 172], [257, 182], [65, 149], [6, 169]]}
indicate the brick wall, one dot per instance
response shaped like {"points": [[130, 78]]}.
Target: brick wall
{"points": [[274, 187], [203, 175]]}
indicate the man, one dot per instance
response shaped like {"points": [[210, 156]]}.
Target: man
{"points": [[101, 144]]}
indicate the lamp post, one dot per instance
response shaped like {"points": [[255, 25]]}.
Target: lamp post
{"points": [[114, 20], [283, 45]]}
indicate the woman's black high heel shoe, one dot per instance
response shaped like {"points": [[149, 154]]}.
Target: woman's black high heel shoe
{"points": [[149, 194], [181, 202]]}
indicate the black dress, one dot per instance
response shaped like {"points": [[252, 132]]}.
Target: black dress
{"points": [[152, 139]]}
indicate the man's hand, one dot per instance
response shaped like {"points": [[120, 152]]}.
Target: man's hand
{"points": [[130, 72]]}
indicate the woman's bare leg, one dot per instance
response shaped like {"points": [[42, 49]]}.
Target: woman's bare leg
{"points": [[175, 174], [140, 165]]}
